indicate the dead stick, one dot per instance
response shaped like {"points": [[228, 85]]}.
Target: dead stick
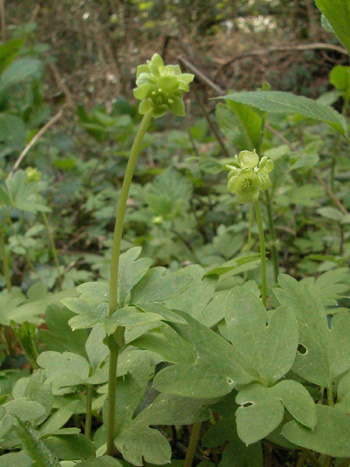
{"points": [[62, 85], [3, 20], [202, 76], [259, 52], [35, 139], [211, 124]]}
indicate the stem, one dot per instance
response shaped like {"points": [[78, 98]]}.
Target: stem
{"points": [[302, 459], [330, 402], [211, 124], [29, 261], [336, 147], [251, 220], [262, 251], [5, 263], [191, 451], [88, 416], [272, 230], [330, 397], [53, 249], [249, 239], [119, 223], [116, 341], [341, 243]]}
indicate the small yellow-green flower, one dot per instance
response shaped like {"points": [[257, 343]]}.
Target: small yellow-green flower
{"points": [[160, 87], [33, 174], [250, 176]]}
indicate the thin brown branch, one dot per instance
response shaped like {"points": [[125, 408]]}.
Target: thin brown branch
{"points": [[35, 139], [62, 85], [201, 75], [211, 124], [3, 20], [287, 48]]}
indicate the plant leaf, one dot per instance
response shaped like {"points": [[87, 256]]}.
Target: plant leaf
{"points": [[285, 102], [19, 71], [330, 436], [337, 13], [325, 352], [265, 342], [214, 372]]}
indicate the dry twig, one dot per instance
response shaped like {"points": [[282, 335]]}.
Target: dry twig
{"points": [[287, 48], [35, 139]]}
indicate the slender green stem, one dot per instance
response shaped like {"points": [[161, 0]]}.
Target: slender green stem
{"points": [[5, 263], [336, 147], [116, 341], [192, 447], [119, 223], [12, 225], [251, 221], [272, 231], [262, 252], [53, 249], [302, 459], [88, 416], [330, 397], [249, 239], [330, 402]]}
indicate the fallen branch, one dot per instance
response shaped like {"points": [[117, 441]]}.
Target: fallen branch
{"points": [[62, 85], [287, 48], [35, 139], [201, 75]]}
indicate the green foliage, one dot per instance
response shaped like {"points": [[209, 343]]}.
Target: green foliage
{"points": [[340, 78], [196, 343], [35, 447], [329, 420], [337, 13], [284, 102]]}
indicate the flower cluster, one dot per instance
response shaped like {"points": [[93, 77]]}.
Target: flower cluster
{"points": [[160, 88], [33, 174], [250, 176]]}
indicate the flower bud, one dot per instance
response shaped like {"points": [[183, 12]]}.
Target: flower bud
{"points": [[160, 87]]}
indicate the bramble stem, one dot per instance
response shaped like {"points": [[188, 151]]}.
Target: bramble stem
{"points": [[118, 337], [5, 263], [88, 416], [191, 451], [262, 252], [53, 249]]}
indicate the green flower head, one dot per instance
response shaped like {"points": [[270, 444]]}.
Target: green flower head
{"points": [[33, 174], [160, 87], [250, 176]]}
